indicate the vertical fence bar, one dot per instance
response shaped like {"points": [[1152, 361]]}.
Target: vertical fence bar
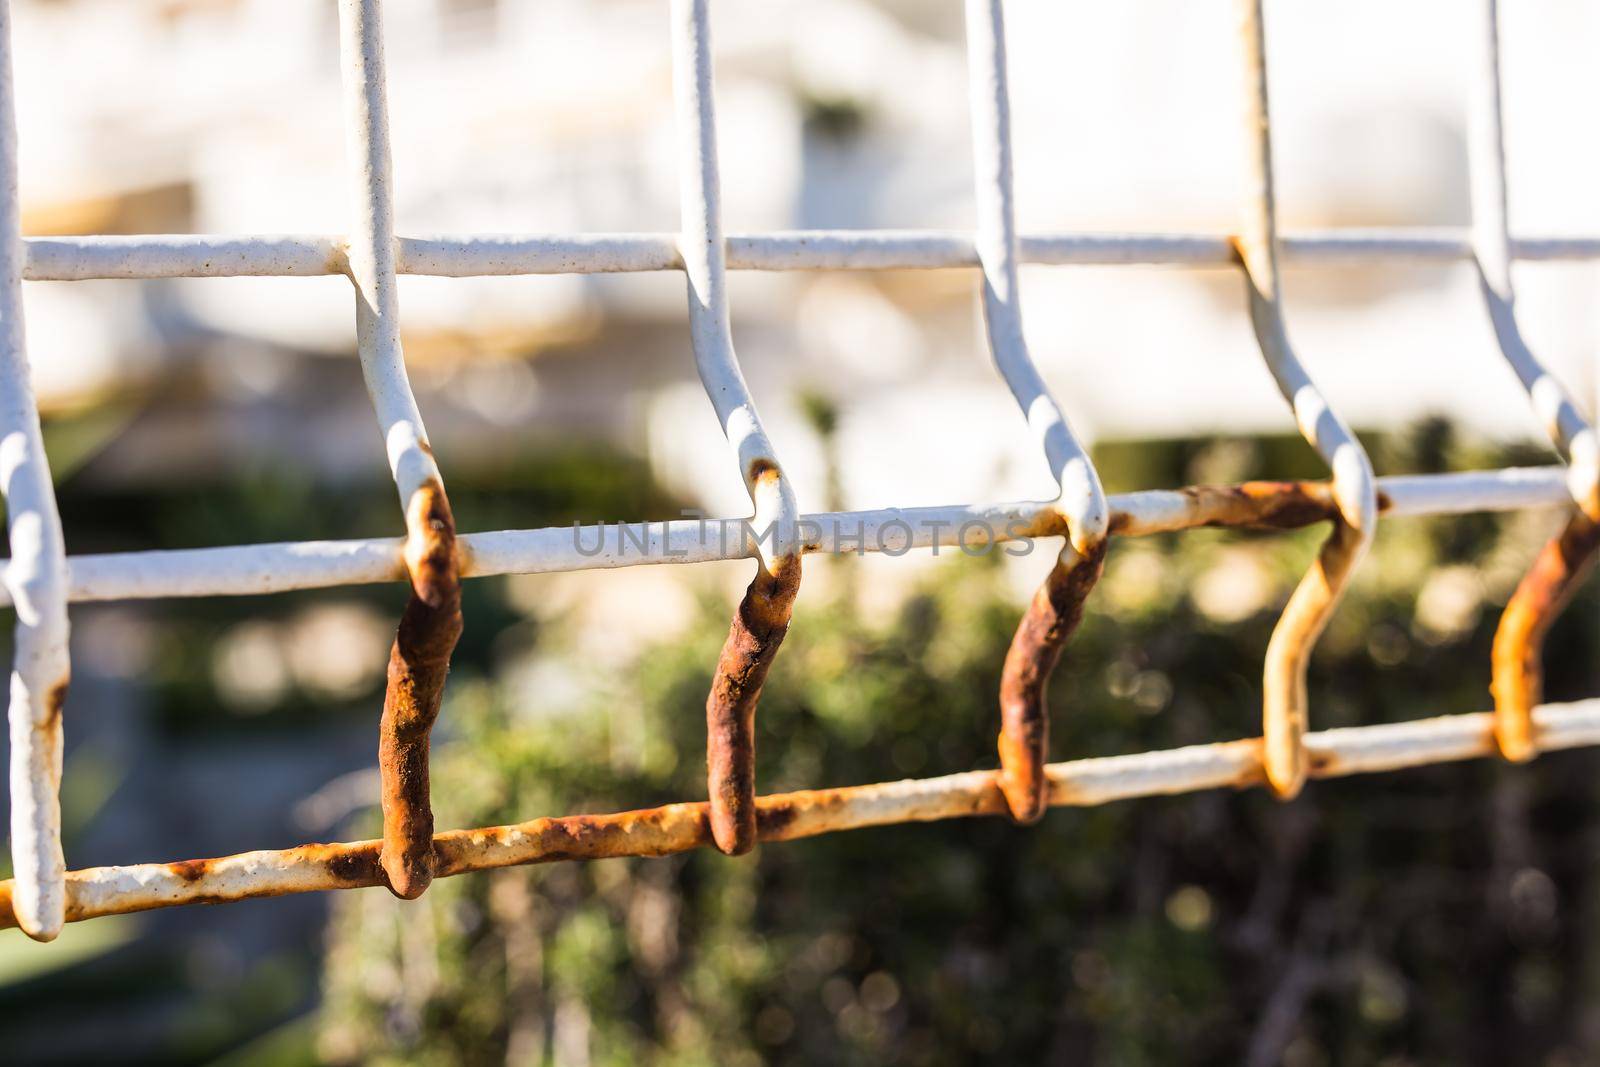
{"points": [[1083, 502], [35, 579], [1057, 607], [36, 575], [763, 616], [432, 623], [1284, 697], [1517, 672], [1491, 244]]}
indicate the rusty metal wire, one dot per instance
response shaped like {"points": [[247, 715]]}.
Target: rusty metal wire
{"points": [[1517, 681], [762, 617], [1284, 698], [1058, 606], [1519, 639], [432, 621], [1053, 614], [247, 570], [40, 581], [785, 817]]}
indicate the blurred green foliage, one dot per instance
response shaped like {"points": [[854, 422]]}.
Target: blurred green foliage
{"points": [[1441, 915], [178, 991]]}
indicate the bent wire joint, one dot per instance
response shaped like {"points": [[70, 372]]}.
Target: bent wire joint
{"points": [[1284, 697], [762, 618], [1057, 607], [418, 664], [38, 582], [1517, 680], [432, 622], [758, 628]]}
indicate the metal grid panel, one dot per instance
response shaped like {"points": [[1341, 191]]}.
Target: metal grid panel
{"points": [[39, 580]]}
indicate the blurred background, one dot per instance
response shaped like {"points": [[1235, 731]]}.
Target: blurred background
{"points": [[1444, 915]]}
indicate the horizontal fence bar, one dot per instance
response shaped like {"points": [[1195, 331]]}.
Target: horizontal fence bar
{"points": [[244, 570], [182, 256], [677, 828], [211, 256]]}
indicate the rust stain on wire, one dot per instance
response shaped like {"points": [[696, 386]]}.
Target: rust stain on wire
{"points": [[1260, 504], [677, 828], [1517, 673], [733, 819], [1052, 616], [1310, 607], [55, 701], [418, 664], [661, 831], [1269, 505], [757, 630]]}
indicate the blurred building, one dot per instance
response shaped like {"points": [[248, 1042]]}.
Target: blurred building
{"points": [[224, 116]]}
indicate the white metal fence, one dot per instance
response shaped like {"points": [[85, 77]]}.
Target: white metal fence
{"points": [[40, 580]]}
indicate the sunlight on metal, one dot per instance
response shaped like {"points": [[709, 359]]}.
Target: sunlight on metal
{"points": [[69, 259], [679, 828], [39, 580], [35, 576], [1058, 606], [1491, 242], [1285, 711], [762, 618], [1519, 639], [248, 570], [431, 624]]}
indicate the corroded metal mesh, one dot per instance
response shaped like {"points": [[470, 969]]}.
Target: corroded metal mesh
{"points": [[40, 581]]}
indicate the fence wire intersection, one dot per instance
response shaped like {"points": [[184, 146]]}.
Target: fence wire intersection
{"points": [[40, 580]]}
